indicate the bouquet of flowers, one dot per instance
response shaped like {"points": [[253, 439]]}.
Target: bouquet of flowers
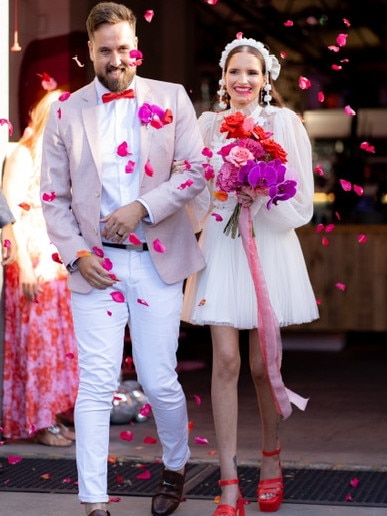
{"points": [[254, 164]]}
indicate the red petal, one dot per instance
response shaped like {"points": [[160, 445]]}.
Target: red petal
{"points": [[149, 169], [150, 440], [146, 475], [133, 239], [126, 435], [158, 246], [118, 297], [149, 15], [142, 302]]}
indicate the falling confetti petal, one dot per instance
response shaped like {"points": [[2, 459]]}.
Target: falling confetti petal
{"points": [[319, 170], [320, 96], [362, 239], [158, 246], [349, 111], [149, 171], [333, 48], [367, 147], [133, 239], [145, 410], [56, 258], [354, 482], [304, 83], [325, 241], [129, 167], [14, 459], [341, 286], [338, 68], [288, 23], [142, 302], [358, 190], [118, 297], [200, 440], [149, 15], [198, 399], [217, 217], [345, 185], [145, 475], [346, 22], [348, 497], [25, 206], [7, 122], [64, 96], [48, 197], [341, 40], [126, 435], [109, 313], [123, 150], [150, 440]]}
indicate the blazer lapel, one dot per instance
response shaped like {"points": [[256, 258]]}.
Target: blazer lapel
{"points": [[90, 120]]}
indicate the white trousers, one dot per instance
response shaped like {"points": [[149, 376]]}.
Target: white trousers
{"points": [[152, 309]]}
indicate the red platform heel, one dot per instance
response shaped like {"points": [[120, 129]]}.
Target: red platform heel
{"points": [[270, 492], [228, 510]]}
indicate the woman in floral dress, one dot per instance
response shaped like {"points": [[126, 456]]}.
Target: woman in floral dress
{"points": [[40, 362]]}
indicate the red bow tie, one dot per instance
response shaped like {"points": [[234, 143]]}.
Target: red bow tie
{"points": [[108, 97]]}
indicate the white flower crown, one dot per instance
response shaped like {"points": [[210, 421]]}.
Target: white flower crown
{"points": [[272, 65]]}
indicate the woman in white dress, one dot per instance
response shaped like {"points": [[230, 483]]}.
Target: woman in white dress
{"points": [[234, 293]]}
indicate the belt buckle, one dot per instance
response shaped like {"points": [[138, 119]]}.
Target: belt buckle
{"points": [[134, 247]]}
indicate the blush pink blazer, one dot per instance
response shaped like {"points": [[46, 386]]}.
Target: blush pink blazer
{"points": [[71, 167]]}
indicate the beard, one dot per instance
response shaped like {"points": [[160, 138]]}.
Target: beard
{"points": [[117, 84]]}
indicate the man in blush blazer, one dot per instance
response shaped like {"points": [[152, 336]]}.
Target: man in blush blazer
{"points": [[120, 221]]}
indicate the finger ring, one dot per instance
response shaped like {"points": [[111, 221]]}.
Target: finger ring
{"points": [[118, 234]]}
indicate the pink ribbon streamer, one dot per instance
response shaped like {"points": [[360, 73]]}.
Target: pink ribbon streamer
{"points": [[268, 328]]}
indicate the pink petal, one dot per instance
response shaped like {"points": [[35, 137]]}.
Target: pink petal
{"points": [[319, 170], [239, 35], [10, 126], [150, 440], [207, 152], [123, 150], [48, 197], [118, 297], [126, 435], [7, 243], [109, 313], [107, 264], [133, 239], [189, 182], [158, 246], [288, 23], [320, 96], [135, 54], [358, 190], [208, 172], [333, 48], [149, 171], [329, 228], [98, 251], [325, 241], [146, 475], [187, 164], [129, 167], [345, 185], [201, 440], [367, 147], [142, 302], [346, 22], [198, 399], [304, 83], [362, 239], [56, 258], [349, 111], [348, 497], [149, 15], [145, 410], [354, 482], [14, 459], [341, 40], [64, 96], [341, 286], [338, 68], [320, 228], [218, 217]]}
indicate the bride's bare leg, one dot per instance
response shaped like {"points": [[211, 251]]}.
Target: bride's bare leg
{"points": [[270, 467], [224, 394]]}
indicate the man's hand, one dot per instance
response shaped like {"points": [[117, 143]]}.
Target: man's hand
{"points": [[123, 221], [8, 245], [91, 269]]}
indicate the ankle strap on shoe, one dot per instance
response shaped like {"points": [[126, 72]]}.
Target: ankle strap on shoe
{"points": [[271, 453], [228, 482]]}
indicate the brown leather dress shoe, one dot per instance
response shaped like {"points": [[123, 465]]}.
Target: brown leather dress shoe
{"points": [[168, 496], [98, 512]]}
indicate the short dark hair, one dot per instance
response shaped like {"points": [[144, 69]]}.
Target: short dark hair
{"points": [[108, 12]]}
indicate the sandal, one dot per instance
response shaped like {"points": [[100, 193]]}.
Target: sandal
{"points": [[52, 437], [270, 491], [66, 432], [228, 510]]}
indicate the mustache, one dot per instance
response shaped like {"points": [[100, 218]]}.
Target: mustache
{"points": [[122, 66]]}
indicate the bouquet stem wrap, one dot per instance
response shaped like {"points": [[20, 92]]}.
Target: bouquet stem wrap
{"points": [[268, 329]]}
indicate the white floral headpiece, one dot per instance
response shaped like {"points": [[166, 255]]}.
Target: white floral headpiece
{"points": [[271, 62]]}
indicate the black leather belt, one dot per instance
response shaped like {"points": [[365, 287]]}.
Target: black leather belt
{"points": [[127, 247]]}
